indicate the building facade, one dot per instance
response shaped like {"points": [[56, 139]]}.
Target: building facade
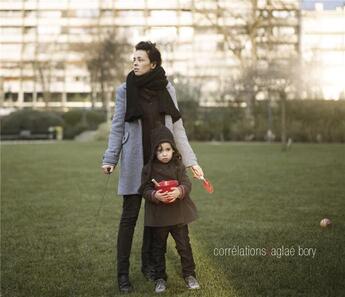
{"points": [[323, 51], [209, 41]]}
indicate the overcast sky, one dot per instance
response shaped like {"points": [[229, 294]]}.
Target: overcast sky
{"points": [[327, 4]]}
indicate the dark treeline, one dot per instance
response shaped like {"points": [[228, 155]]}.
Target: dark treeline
{"points": [[306, 121], [37, 122]]}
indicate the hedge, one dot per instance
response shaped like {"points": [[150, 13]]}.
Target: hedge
{"points": [[73, 122], [306, 121]]}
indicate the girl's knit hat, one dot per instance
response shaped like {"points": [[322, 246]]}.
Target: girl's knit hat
{"points": [[160, 135]]}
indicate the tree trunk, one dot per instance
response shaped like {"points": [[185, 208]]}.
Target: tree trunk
{"points": [[283, 119], [93, 94], [107, 106]]}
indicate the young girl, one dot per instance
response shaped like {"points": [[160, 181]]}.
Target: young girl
{"points": [[168, 212]]}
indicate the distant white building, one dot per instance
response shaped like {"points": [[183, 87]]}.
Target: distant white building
{"points": [[323, 48], [198, 39]]}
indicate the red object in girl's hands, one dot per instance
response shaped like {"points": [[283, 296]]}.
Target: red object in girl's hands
{"points": [[166, 185]]}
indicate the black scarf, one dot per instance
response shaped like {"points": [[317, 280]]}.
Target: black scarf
{"points": [[154, 80]]}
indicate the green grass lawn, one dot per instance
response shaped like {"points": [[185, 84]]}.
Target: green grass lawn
{"points": [[54, 245]]}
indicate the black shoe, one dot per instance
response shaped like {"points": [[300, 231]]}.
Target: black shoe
{"points": [[125, 285], [148, 272]]}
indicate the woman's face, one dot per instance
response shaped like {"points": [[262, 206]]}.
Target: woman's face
{"points": [[141, 63]]}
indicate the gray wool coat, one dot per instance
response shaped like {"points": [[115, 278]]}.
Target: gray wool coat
{"points": [[125, 143]]}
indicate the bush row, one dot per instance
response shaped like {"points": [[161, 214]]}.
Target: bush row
{"points": [[306, 121], [38, 122]]}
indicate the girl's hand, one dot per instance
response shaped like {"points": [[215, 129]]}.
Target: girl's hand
{"points": [[197, 171], [174, 194], [162, 196]]}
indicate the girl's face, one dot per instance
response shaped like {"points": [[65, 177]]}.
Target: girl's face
{"points": [[141, 63], [164, 152]]}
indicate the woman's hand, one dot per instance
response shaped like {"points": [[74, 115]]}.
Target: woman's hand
{"points": [[162, 196], [174, 194], [108, 169], [197, 171]]}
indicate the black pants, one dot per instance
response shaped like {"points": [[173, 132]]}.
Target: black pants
{"points": [[130, 211], [180, 235]]}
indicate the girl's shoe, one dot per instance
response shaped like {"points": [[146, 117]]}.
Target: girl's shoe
{"points": [[160, 285], [192, 282]]}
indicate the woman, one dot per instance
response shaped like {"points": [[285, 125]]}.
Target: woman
{"points": [[146, 101]]}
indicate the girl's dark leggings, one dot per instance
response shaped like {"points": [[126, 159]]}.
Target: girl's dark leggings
{"points": [[180, 234]]}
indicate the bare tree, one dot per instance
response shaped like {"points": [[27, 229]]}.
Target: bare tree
{"points": [[254, 29], [43, 67], [106, 62], [282, 82]]}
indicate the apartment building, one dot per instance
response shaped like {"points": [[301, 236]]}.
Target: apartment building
{"points": [[323, 50], [206, 40]]}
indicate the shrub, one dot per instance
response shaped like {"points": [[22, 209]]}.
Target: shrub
{"points": [[77, 121], [72, 117], [306, 121], [94, 118], [73, 122], [32, 120]]}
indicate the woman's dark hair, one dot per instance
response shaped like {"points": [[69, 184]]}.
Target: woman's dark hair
{"points": [[151, 50]]}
